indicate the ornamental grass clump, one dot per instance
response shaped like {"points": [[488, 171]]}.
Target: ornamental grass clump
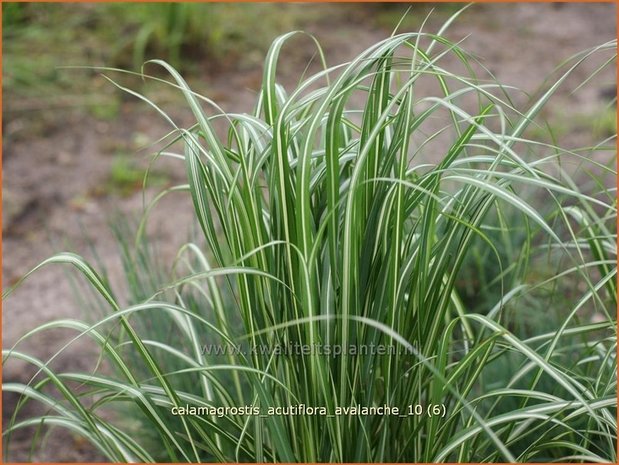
{"points": [[337, 225]]}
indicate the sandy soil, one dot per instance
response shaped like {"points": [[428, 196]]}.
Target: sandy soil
{"points": [[48, 182]]}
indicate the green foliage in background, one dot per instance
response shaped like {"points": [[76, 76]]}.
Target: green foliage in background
{"points": [[354, 210], [39, 39], [215, 30]]}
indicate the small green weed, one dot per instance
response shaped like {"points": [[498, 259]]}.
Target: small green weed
{"points": [[126, 177]]}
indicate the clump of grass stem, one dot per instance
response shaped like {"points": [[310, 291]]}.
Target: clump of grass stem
{"points": [[328, 221]]}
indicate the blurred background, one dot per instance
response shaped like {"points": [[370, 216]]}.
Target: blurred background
{"points": [[75, 147]]}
